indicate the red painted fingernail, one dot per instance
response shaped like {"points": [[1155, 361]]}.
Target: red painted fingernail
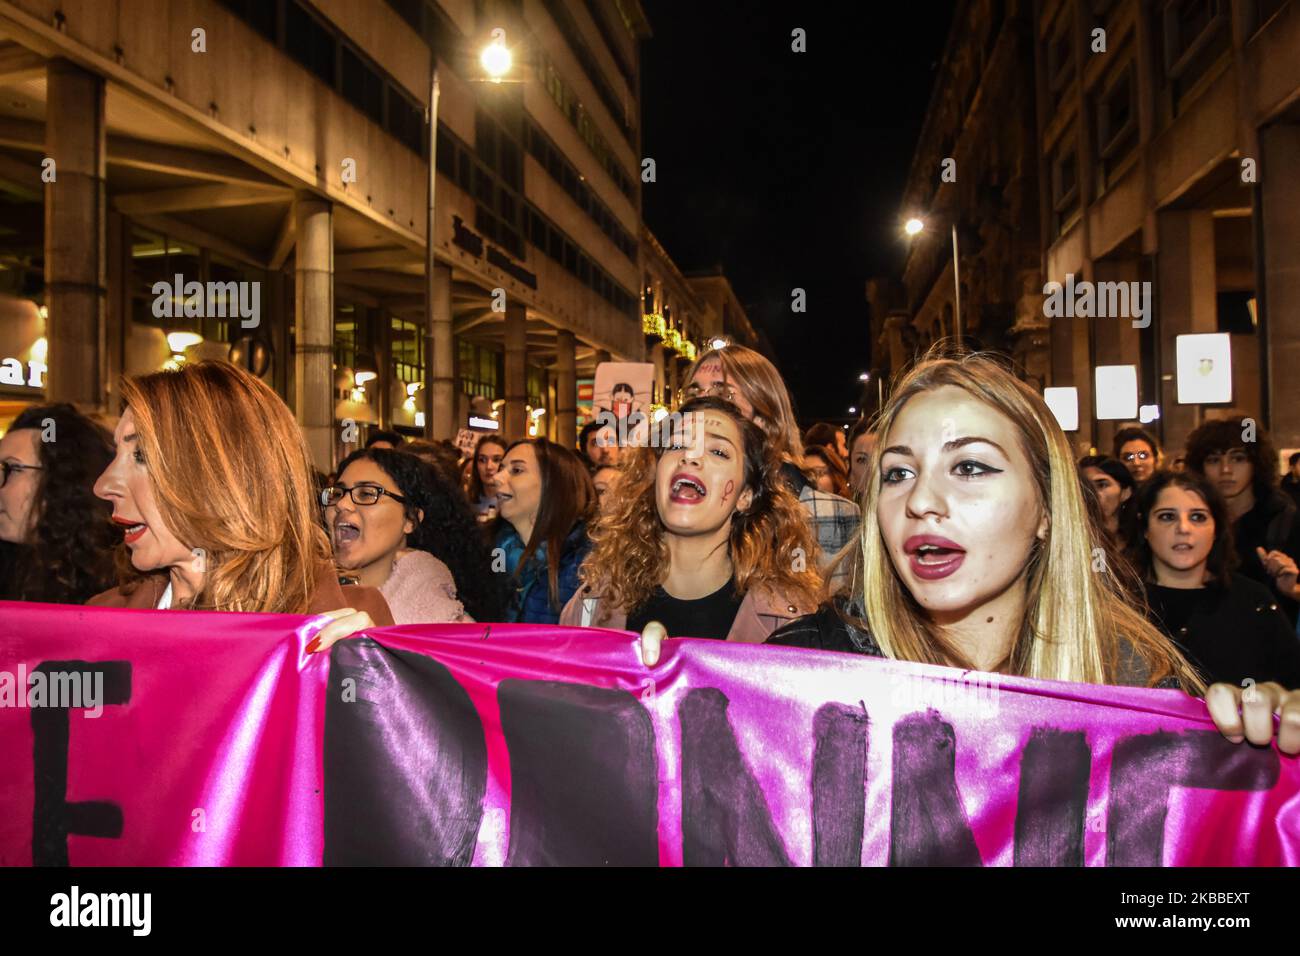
{"points": [[314, 646]]}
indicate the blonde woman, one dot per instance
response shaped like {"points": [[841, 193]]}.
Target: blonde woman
{"points": [[213, 487], [977, 550], [751, 383], [701, 537]]}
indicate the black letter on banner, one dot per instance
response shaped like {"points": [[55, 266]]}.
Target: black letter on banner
{"points": [[1144, 768], [838, 784], [53, 817], [405, 761], [1053, 800], [725, 820], [583, 775], [928, 825]]}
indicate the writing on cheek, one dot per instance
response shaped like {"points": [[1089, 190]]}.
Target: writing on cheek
{"points": [[726, 491]]}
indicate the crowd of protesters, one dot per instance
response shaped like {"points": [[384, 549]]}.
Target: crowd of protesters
{"points": [[954, 528]]}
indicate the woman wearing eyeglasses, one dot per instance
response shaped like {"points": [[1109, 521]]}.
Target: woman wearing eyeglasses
{"points": [[750, 382], [398, 526], [61, 537], [213, 486], [1138, 451]]}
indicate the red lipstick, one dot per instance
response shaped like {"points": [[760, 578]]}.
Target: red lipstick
{"points": [[932, 557], [134, 529]]}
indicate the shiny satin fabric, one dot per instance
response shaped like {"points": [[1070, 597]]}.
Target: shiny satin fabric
{"points": [[527, 745]]}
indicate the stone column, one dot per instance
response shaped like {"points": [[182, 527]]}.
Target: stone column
{"points": [[75, 239], [515, 420], [314, 324], [1279, 193], [1186, 297], [1117, 342], [657, 358], [440, 361], [566, 390]]}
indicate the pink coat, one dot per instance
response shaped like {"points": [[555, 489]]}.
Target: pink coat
{"points": [[421, 590], [760, 613]]}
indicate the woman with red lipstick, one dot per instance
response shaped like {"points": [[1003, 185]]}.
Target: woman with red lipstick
{"points": [[703, 537], [213, 486], [1227, 625], [977, 549]]}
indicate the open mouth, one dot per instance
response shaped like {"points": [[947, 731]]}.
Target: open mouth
{"points": [[345, 533], [133, 530], [687, 490], [933, 557], [1182, 547]]}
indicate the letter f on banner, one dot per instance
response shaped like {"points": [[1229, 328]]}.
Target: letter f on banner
{"points": [[53, 817]]}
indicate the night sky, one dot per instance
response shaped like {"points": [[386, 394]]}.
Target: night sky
{"points": [[788, 168]]}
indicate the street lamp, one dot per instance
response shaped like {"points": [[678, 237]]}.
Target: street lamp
{"points": [[864, 377], [497, 61], [914, 227], [496, 58], [718, 344]]}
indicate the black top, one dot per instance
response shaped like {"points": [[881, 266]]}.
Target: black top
{"points": [[1274, 526], [827, 629], [1229, 634], [1291, 485], [709, 616]]}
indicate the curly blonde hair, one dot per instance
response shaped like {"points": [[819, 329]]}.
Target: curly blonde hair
{"points": [[771, 544]]}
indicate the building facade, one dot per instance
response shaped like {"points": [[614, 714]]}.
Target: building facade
{"points": [[1151, 147], [250, 180]]}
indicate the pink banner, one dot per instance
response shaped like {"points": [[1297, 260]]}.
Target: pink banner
{"points": [[181, 738]]}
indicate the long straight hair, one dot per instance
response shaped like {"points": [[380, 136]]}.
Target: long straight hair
{"points": [[568, 497], [1077, 619], [232, 475], [763, 387]]}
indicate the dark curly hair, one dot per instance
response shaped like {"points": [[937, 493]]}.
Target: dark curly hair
{"points": [[69, 558], [1223, 435], [448, 531]]}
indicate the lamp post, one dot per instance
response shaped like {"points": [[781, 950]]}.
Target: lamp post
{"points": [[439, 387], [915, 226]]}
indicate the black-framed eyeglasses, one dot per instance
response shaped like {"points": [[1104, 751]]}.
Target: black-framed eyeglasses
{"points": [[720, 390], [363, 495], [8, 467]]}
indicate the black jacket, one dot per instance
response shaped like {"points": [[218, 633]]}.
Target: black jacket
{"points": [[1229, 634], [827, 629], [1274, 526]]}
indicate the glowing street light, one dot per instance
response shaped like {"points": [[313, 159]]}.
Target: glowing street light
{"points": [[864, 377], [914, 227], [718, 343], [853, 409], [496, 59]]}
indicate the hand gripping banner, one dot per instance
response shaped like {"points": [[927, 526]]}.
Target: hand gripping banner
{"points": [[187, 738]]}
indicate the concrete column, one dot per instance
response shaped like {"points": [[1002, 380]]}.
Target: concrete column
{"points": [[314, 324], [516, 415], [382, 330], [566, 390], [1186, 300], [75, 239], [440, 361], [1279, 194]]}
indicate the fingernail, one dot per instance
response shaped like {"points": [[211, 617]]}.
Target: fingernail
{"points": [[1236, 738], [314, 646]]}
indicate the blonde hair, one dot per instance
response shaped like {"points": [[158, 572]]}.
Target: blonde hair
{"points": [[1078, 624], [231, 474], [764, 388]]}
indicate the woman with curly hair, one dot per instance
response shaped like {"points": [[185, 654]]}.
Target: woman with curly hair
{"points": [[61, 536], [1235, 454], [703, 537], [399, 525]]}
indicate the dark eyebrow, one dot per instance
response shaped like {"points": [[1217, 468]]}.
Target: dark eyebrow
{"points": [[948, 446], [720, 438], [129, 438]]}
